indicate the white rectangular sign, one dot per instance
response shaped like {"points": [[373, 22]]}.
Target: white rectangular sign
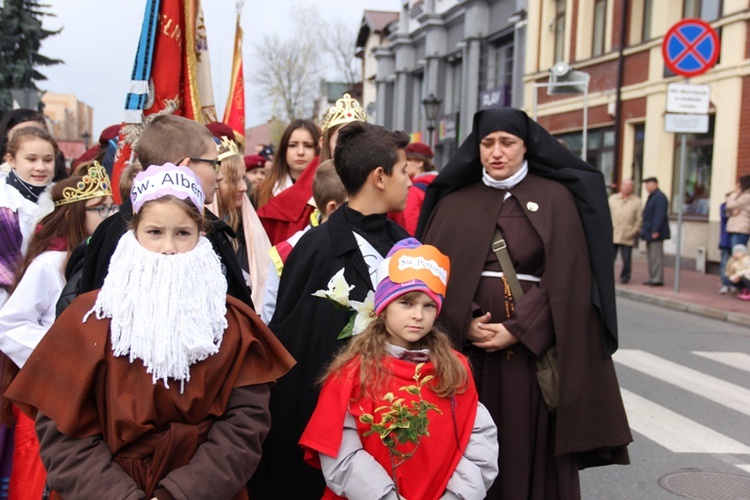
{"points": [[688, 98], [686, 124]]}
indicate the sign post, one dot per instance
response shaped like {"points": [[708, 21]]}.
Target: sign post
{"points": [[690, 48]]}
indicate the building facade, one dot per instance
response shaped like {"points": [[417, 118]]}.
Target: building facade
{"points": [[617, 43], [468, 54], [70, 122], [373, 33]]}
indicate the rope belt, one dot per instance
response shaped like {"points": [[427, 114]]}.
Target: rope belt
{"points": [[521, 277]]}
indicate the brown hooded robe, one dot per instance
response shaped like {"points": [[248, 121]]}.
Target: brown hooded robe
{"points": [[152, 434]]}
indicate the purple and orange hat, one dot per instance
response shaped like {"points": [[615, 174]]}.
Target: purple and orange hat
{"points": [[412, 267], [158, 181]]}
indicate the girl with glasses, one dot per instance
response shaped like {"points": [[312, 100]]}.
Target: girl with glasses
{"points": [[30, 310]]}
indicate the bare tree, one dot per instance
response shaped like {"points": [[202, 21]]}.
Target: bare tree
{"points": [[288, 74], [340, 45]]}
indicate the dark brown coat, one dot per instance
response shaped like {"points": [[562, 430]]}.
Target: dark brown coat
{"points": [[591, 419]]}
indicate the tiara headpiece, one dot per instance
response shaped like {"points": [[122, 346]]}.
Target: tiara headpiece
{"points": [[345, 110], [227, 148], [94, 184]]}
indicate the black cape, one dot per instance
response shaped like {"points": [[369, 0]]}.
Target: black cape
{"points": [[307, 326], [103, 243], [548, 158]]}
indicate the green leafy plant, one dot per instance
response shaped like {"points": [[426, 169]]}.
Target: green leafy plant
{"points": [[402, 425]]}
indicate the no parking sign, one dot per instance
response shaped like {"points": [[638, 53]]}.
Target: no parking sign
{"points": [[690, 47]]}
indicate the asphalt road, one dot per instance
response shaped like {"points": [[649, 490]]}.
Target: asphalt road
{"points": [[685, 381]]}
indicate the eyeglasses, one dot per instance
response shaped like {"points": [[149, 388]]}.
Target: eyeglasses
{"points": [[104, 211], [215, 163]]}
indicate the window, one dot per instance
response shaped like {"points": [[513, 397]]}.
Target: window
{"points": [[559, 31], [496, 69], [600, 149], [708, 10], [699, 156], [646, 33], [600, 20], [639, 141], [456, 79]]}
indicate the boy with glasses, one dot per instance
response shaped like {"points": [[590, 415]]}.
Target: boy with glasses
{"points": [[170, 139]]}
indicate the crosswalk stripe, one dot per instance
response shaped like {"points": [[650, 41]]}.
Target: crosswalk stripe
{"points": [[673, 431], [738, 360], [712, 388]]}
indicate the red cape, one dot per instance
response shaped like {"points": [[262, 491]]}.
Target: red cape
{"points": [[289, 212], [424, 475]]}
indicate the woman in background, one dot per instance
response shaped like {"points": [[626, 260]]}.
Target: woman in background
{"points": [[231, 205]]}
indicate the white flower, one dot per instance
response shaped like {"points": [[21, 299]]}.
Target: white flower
{"points": [[365, 313], [338, 290]]}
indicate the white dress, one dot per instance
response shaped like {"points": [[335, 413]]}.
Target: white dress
{"points": [[30, 310], [29, 214]]}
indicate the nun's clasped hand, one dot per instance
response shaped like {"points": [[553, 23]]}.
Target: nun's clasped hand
{"points": [[489, 336]]}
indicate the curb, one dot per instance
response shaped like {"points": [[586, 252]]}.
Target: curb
{"points": [[708, 312]]}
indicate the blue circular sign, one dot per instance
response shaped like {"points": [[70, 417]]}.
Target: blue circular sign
{"points": [[690, 47]]}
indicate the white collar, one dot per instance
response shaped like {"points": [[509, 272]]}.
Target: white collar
{"points": [[508, 183]]}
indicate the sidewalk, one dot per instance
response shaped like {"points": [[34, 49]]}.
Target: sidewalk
{"points": [[699, 293]]}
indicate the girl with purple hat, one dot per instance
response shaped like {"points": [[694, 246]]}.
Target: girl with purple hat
{"points": [[412, 423]]}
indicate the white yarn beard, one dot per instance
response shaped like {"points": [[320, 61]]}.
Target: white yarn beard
{"points": [[167, 310], [508, 183]]}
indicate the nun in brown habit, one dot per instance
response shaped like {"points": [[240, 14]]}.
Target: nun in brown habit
{"points": [[551, 208]]}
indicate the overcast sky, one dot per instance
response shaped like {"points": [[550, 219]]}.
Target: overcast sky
{"points": [[100, 37]]}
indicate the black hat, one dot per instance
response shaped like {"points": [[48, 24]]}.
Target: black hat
{"points": [[651, 179]]}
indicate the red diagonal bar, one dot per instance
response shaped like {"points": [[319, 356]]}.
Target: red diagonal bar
{"points": [[689, 47]]}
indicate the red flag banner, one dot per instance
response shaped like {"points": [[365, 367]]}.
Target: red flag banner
{"points": [[234, 112], [174, 76]]}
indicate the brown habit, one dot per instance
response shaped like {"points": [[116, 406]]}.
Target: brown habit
{"points": [[73, 378], [590, 421]]}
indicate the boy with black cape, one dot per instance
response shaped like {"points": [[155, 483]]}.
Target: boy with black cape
{"points": [[372, 165]]}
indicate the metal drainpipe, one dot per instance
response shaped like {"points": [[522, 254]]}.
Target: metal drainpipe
{"points": [[618, 101]]}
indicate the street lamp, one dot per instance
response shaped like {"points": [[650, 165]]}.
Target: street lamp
{"points": [[86, 139], [431, 109]]}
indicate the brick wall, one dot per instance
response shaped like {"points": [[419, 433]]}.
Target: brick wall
{"points": [[634, 108], [573, 120], [573, 32], [616, 20], [743, 149], [636, 68]]}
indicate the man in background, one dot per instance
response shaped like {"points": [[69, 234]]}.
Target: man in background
{"points": [[654, 230], [625, 208]]}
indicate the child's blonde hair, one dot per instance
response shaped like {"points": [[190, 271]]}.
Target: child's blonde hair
{"points": [[369, 348], [327, 186]]}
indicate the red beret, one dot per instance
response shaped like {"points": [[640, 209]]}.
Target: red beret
{"points": [[254, 161], [419, 148], [89, 155], [108, 133], [220, 130]]}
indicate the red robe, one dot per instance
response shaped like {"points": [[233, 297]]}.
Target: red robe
{"points": [[409, 218], [426, 474], [289, 211]]}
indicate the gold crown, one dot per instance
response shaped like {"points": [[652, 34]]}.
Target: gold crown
{"points": [[94, 184], [227, 148], [345, 110]]}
